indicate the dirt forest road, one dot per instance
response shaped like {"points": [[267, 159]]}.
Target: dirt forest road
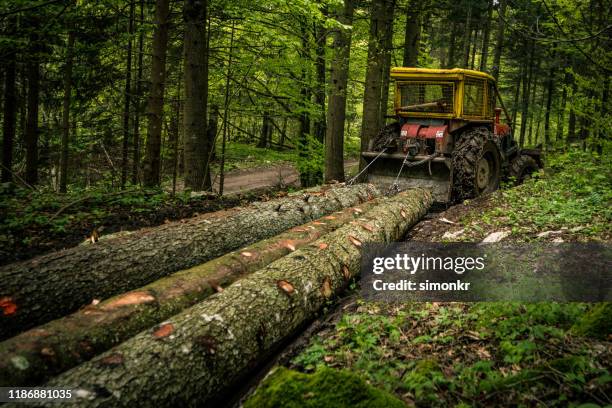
{"points": [[264, 177]]}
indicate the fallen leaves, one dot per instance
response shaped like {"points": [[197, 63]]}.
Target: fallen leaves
{"points": [[285, 286], [132, 298], [323, 245], [246, 254], [346, 272], [354, 241], [8, 306], [163, 331], [289, 245], [326, 289], [112, 360]]}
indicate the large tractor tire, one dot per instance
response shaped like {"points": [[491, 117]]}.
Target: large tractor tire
{"points": [[476, 164], [386, 137], [521, 168]]}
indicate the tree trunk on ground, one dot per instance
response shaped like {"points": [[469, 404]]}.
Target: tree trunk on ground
{"points": [[136, 151], [499, 43], [336, 110], [96, 328], [128, 102], [31, 133], [155, 104], [412, 35], [196, 355], [53, 285], [197, 149], [485, 38], [373, 81], [66, 114], [9, 117]]}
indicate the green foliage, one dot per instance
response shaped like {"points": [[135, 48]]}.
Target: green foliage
{"points": [[325, 388], [573, 193], [485, 354], [311, 163], [597, 323]]}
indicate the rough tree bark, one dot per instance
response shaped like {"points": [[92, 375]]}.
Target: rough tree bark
{"points": [[386, 58], [197, 149], [499, 43], [56, 284], [319, 93], [155, 103], [336, 110], [9, 117], [195, 355], [24, 359], [412, 35], [66, 113], [31, 130], [127, 100], [373, 81], [136, 151], [549, 93], [485, 38], [527, 77]]}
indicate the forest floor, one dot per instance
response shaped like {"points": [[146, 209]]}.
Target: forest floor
{"points": [[477, 354]]}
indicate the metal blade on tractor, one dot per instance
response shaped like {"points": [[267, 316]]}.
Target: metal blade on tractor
{"points": [[434, 175]]}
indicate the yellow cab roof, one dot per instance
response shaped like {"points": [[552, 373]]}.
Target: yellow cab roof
{"points": [[429, 73]]}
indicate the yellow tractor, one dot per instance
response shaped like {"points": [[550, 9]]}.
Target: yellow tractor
{"points": [[448, 136]]}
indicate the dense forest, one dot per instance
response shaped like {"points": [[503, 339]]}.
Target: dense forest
{"points": [[152, 93]]}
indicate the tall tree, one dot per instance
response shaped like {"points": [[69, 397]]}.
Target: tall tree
{"points": [[66, 113], [138, 95], [388, 50], [319, 94], [31, 131], [549, 97], [127, 100], [9, 116], [197, 149], [373, 81], [336, 112], [155, 104], [412, 35], [499, 43], [485, 37]]}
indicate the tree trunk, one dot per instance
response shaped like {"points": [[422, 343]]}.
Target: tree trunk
{"points": [[155, 103], [197, 149], [562, 108], [412, 35], [92, 330], [319, 94], [266, 130], [467, 44], [485, 38], [53, 285], [386, 74], [9, 117], [193, 357], [66, 114], [373, 81], [528, 73], [31, 132], [136, 151], [452, 46], [515, 101], [571, 131], [499, 43], [128, 102], [551, 81], [336, 113]]}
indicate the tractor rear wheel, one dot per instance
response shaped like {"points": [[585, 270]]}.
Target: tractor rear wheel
{"points": [[521, 168], [476, 164]]}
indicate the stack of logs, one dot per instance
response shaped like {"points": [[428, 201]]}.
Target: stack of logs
{"points": [[174, 315]]}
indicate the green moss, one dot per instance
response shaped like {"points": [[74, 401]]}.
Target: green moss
{"points": [[326, 387], [597, 323]]}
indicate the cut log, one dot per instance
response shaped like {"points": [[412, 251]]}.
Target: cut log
{"points": [[38, 354], [190, 358], [53, 285]]}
